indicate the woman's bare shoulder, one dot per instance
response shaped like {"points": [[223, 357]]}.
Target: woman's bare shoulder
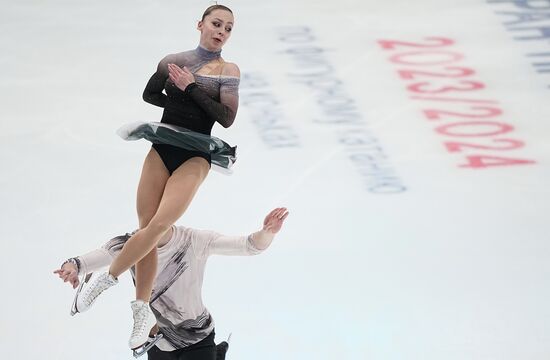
{"points": [[231, 69]]}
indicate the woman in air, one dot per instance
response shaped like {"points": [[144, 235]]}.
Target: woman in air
{"points": [[200, 90]]}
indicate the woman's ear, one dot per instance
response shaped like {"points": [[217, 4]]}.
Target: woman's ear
{"points": [[199, 25]]}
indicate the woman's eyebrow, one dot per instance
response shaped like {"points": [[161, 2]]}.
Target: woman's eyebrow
{"points": [[220, 20]]}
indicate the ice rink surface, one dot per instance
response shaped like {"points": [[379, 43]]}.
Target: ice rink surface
{"points": [[409, 140]]}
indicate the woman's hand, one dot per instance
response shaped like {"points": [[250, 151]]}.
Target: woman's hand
{"points": [[69, 273], [274, 220], [180, 77]]}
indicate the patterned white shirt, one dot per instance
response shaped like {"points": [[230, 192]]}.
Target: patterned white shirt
{"points": [[177, 294]]}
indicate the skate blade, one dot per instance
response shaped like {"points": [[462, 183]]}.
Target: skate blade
{"points": [[140, 351], [221, 348], [85, 279]]}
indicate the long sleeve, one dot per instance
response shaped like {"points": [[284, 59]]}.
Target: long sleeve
{"points": [[223, 112], [94, 260], [206, 243], [101, 258], [153, 92]]}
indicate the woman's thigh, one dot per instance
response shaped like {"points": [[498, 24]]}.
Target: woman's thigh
{"points": [[151, 187], [180, 190]]}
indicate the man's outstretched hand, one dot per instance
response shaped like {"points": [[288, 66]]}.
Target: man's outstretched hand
{"points": [[273, 222], [68, 273]]}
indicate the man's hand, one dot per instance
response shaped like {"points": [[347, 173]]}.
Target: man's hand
{"points": [[69, 273], [274, 220]]}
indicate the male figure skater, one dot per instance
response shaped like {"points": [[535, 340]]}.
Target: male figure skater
{"points": [[185, 326]]}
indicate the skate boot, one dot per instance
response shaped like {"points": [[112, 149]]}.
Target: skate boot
{"points": [[144, 335], [85, 300]]}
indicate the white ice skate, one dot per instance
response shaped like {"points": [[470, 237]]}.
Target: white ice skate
{"points": [[83, 282], [145, 333], [85, 299]]}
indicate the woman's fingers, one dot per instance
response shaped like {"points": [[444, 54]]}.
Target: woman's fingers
{"points": [[175, 69], [172, 71], [180, 77]]}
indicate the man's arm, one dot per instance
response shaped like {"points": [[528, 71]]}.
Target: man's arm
{"points": [[206, 243], [272, 224], [91, 261], [82, 265]]}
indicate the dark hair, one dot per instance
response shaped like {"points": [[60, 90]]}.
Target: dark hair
{"points": [[215, 7]]}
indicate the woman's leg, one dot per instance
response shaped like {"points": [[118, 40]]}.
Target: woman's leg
{"points": [[178, 193], [150, 189]]}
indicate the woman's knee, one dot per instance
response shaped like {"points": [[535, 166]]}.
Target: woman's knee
{"points": [[144, 219], [151, 254], [158, 226]]}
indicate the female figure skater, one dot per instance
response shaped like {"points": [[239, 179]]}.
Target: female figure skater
{"points": [[201, 89]]}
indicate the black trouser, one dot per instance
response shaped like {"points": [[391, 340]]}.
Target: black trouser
{"points": [[203, 350]]}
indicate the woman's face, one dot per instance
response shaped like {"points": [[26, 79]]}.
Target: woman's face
{"points": [[215, 29]]}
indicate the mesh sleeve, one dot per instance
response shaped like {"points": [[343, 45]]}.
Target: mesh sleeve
{"points": [[223, 112], [153, 92]]}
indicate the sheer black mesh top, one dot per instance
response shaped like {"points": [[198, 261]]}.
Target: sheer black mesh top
{"points": [[212, 98]]}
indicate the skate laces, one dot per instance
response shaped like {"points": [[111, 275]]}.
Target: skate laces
{"points": [[140, 317], [99, 286]]}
